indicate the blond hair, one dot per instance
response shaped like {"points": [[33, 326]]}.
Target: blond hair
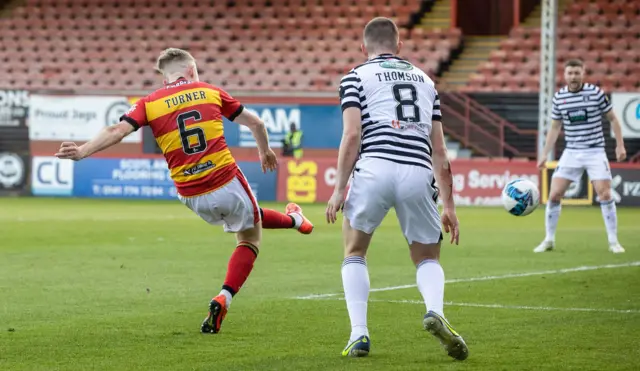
{"points": [[173, 59], [381, 34]]}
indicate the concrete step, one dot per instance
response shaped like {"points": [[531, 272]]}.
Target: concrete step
{"points": [[443, 14], [466, 63], [474, 51], [467, 56], [436, 20], [458, 73], [436, 23], [455, 70], [457, 80], [464, 66]]}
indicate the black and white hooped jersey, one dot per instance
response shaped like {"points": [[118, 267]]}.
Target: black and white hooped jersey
{"points": [[398, 102], [581, 114]]}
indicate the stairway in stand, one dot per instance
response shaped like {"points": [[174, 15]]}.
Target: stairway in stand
{"points": [[438, 17], [476, 50]]}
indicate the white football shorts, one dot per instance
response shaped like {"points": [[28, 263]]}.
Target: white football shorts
{"points": [[378, 185], [573, 163], [233, 205]]}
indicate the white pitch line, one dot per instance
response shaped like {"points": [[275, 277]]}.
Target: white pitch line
{"points": [[501, 306], [490, 278], [95, 218]]}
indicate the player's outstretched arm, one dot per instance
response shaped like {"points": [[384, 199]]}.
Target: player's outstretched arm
{"points": [[253, 122], [444, 177], [621, 152], [347, 156], [552, 137], [107, 137]]}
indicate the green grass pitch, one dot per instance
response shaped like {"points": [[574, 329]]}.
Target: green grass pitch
{"points": [[124, 285]]}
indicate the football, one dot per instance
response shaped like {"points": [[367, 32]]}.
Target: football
{"points": [[520, 197]]}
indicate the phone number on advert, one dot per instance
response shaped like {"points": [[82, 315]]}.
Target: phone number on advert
{"points": [[132, 190]]}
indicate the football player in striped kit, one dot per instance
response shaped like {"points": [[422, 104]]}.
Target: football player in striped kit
{"points": [[393, 149], [578, 108]]}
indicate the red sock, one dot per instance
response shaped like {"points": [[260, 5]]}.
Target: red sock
{"points": [[240, 265], [272, 219]]}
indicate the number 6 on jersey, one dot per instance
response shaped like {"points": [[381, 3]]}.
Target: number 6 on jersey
{"points": [[196, 132]]}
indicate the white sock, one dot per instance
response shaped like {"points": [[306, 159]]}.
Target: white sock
{"points": [[297, 219], [228, 296], [430, 279], [552, 214], [610, 220], [355, 280]]}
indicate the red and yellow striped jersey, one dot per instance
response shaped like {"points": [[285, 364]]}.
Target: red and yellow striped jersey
{"points": [[186, 120]]}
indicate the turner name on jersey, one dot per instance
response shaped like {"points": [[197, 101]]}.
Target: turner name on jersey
{"points": [[398, 103], [581, 114]]}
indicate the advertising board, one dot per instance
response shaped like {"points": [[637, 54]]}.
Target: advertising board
{"points": [[14, 107], [139, 178], [75, 118], [475, 182]]}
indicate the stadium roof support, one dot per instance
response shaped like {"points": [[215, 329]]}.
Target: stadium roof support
{"points": [[547, 70]]}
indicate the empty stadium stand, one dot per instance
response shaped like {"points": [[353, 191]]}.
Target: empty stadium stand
{"points": [[604, 33], [274, 45]]}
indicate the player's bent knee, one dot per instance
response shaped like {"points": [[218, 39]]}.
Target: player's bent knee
{"points": [[603, 189], [420, 252], [559, 186], [604, 194], [252, 235], [555, 197], [356, 243], [355, 248]]}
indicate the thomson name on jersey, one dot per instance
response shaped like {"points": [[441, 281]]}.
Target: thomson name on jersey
{"points": [[399, 76]]}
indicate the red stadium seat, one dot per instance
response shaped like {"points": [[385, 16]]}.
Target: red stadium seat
{"points": [[510, 45], [609, 57], [624, 67], [478, 79], [497, 56], [634, 70], [488, 68], [508, 67], [628, 86], [531, 67], [620, 44], [519, 56]]}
